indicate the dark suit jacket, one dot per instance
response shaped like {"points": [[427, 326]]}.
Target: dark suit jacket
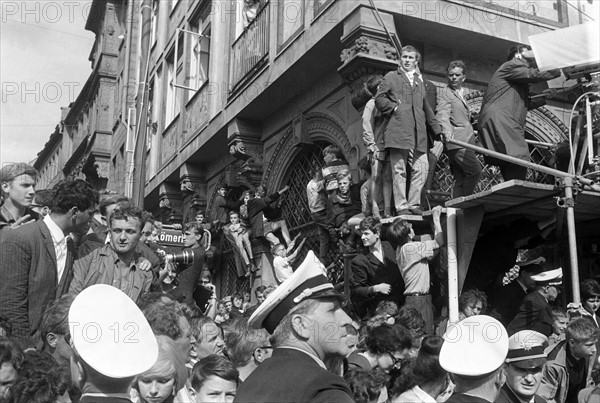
{"points": [[368, 271], [406, 128], [534, 313], [506, 301], [292, 376], [28, 277], [504, 109], [507, 396]]}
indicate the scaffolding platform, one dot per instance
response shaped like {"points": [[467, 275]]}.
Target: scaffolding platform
{"points": [[535, 201]]}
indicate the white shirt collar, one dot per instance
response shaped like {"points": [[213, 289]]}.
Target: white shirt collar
{"points": [[311, 355], [423, 396], [57, 235]]}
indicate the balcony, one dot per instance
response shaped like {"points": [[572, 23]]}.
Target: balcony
{"points": [[250, 51]]}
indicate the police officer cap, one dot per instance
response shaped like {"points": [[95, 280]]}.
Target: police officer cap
{"points": [[549, 277], [110, 333], [526, 349], [307, 282], [474, 347]]}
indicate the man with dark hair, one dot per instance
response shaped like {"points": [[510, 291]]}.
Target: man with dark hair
{"points": [[375, 274], [54, 329], [504, 109], [17, 182], [453, 115], [373, 123], [36, 260], [247, 348], [260, 297], [388, 346], [117, 263], [402, 97], [173, 320], [413, 260], [43, 200], [11, 358], [258, 207], [569, 366]]}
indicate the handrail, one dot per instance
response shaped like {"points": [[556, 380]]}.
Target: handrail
{"points": [[518, 161]]}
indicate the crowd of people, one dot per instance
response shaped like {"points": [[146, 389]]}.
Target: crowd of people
{"points": [[94, 309]]}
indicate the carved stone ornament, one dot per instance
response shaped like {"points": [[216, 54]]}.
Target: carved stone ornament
{"points": [[238, 150], [369, 46], [187, 186]]}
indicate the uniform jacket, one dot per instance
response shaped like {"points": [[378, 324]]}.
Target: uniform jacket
{"points": [[506, 301], [534, 314], [555, 376], [368, 271], [408, 112], [508, 396], [504, 109], [454, 117], [99, 268], [28, 277], [292, 376]]}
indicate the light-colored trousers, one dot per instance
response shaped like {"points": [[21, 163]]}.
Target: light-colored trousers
{"points": [[419, 165]]}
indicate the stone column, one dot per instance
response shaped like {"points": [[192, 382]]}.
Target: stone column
{"points": [[170, 203], [243, 139], [193, 187]]}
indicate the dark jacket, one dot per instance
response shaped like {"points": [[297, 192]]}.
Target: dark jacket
{"points": [[504, 109], [368, 271], [293, 376], [339, 212], [406, 128], [28, 277], [534, 313], [256, 209], [508, 396], [505, 302]]}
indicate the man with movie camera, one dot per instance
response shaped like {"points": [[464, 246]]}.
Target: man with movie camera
{"points": [[188, 264]]}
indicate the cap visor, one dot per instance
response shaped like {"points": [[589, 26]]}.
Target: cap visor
{"points": [[529, 364]]}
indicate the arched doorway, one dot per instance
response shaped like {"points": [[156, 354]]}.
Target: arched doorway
{"points": [[294, 204]]}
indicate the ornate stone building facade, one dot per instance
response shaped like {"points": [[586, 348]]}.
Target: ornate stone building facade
{"points": [[252, 102]]}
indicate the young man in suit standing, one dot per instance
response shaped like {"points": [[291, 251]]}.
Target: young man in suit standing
{"points": [[454, 116], [36, 260], [402, 97]]}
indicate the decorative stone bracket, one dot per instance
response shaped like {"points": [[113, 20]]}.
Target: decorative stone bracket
{"points": [[245, 145], [367, 51]]}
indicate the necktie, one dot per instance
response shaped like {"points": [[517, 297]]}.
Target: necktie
{"points": [[415, 80]]}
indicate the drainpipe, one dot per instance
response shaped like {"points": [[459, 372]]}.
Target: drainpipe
{"points": [[129, 16], [139, 162]]}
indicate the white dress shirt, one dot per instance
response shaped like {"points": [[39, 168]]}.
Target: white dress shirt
{"points": [[60, 246]]}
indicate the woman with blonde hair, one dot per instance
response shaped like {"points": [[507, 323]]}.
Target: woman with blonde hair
{"points": [[161, 383]]}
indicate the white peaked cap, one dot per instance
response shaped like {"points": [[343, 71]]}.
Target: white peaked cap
{"points": [[110, 333]]}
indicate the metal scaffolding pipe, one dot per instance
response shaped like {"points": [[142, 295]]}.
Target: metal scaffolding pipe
{"points": [[518, 161], [568, 182], [452, 265]]}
